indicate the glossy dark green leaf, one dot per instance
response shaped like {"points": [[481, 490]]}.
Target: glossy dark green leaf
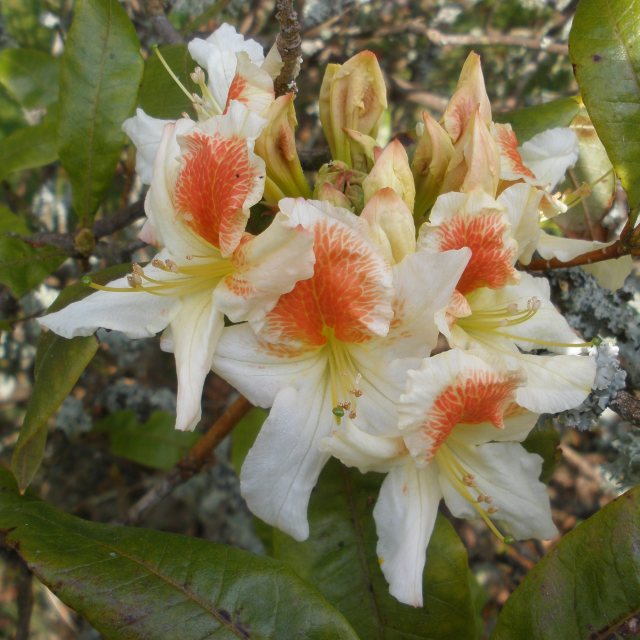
{"points": [[21, 19], [23, 267], [156, 443], [530, 121], [135, 584], [604, 46], [30, 76], [160, 96], [587, 586], [59, 368], [99, 80], [29, 147], [340, 559]]}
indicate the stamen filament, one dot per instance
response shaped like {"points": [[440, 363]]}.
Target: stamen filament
{"points": [[456, 473], [175, 78], [544, 343]]}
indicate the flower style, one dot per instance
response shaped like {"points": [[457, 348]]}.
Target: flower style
{"points": [[206, 177], [236, 70], [458, 440], [499, 311], [333, 350]]}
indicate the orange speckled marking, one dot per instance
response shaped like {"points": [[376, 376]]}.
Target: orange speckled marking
{"points": [[508, 144], [491, 263], [212, 186], [236, 91], [473, 398], [344, 292]]}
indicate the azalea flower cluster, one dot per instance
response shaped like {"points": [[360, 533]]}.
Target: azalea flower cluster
{"points": [[381, 317]]}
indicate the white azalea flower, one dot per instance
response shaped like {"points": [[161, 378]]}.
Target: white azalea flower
{"points": [[236, 70], [326, 354], [206, 177], [500, 311], [458, 440]]}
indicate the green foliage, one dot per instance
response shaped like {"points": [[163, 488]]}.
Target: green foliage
{"points": [[135, 583], [544, 441], [29, 147], [21, 21], [156, 443], [340, 558], [99, 81], [604, 45], [22, 267], [59, 368], [530, 121], [160, 96], [587, 586], [30, 76]]}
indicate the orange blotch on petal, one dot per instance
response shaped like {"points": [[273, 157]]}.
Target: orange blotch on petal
{"points": [[212, 186], [236, 90], [473, 398], [344, 294], [508, 143], [491, 263]]}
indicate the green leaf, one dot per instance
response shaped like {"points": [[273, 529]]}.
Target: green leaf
{"points": [[156, 443], [587, 586], [244, 434], [604, 45], [544, 441], [29, 147], [58, 370], [21, 20], [340, 559], [135, 584], [23, 267], [160, 96], [99, 80], [30, 76], [530, 121]]}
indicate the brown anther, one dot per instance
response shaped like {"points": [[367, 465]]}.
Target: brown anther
{"points": [[171, 265], [480, 498], [157, 263], [346, 405], [488, 499], [352, 415], [492, 510], [356, 392], [137, 269]]}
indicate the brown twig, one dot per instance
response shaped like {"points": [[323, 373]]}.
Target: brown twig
{"points": [[101, 228], [616, 250], [627, 407], [193, 461], [288, 43], [166, 32]]}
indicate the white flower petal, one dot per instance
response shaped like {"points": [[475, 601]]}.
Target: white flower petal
{"points": [[136, 314], [611, 274], [356, 448], [195, 331], [405, 514], [259, 370], [267, 266], [424, 283], [549, 154], [145, 132], [509, 475], [285, 461], [521, 203], [516, 428], [554, 383], [566, 249]]}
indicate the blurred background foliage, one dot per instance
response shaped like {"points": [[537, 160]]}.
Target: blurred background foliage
{"points": [[95, 464]]}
